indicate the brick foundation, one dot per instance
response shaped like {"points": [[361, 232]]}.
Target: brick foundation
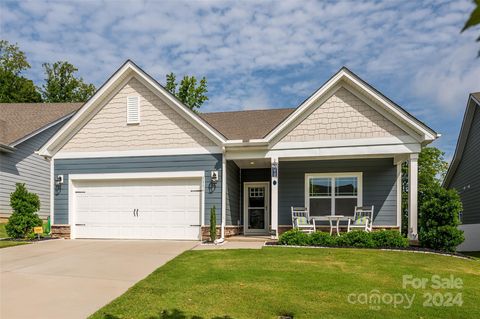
{"points": [[229, 231], [61, 231]]}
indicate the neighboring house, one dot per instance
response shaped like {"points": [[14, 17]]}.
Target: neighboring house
{"points": [[464, 173], [134, 162], [24, 128]]}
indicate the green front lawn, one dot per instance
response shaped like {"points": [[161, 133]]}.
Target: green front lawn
{"points": [[306, 283], [3, 232], [472, 253], [10, 243]]}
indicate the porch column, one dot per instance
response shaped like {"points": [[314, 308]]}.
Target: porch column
{"points": [[224, 195], [412, 196], [274, 195]]}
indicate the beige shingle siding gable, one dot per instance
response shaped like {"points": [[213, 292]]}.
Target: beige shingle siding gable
{"points": [[160, 126], [343, 116]]}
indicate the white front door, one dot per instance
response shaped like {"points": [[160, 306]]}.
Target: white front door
{"points": [[256, 202], [138, 209]]}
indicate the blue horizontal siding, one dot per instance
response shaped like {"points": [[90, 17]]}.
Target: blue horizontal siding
{"points": [[134, 164], [466, 179], [24, 166], [379, 185], [233, 194]]}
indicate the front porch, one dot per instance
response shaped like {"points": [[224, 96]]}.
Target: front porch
{"points": [[260, 192]]}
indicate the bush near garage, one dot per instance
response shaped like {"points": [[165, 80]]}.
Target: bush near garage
{"points": [[25, 206]]}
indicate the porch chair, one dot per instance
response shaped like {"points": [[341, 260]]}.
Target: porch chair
{"points": [[301, 220], [362, 219]]}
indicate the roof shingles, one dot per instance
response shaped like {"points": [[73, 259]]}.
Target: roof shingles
{"points": [[18, 120], [246, 125]]}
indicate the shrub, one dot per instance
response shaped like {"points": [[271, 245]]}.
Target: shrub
{"points": [[438, 218], [445, 238], [322, 239], [389, 238], [213, 224], [25, 206], [356, 238], [294, 237]]}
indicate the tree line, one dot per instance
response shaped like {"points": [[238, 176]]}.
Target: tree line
{"points": [[61, 84]]}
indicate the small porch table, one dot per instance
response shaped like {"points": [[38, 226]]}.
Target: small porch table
{"points": [[331, 219]]}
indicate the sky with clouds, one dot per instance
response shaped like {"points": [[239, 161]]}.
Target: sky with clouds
{"points": [[265, 54]]}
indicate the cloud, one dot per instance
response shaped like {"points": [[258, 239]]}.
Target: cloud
{"points": [[264, 53]]}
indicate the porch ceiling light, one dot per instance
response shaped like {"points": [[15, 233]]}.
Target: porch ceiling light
{"points": [[252, 163]]}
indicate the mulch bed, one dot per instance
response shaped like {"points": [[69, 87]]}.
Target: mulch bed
{"points": [[408, 249], [28, 240]]}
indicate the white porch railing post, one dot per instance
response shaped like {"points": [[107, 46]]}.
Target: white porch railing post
{"points": [[274, 195], [413, 196]]}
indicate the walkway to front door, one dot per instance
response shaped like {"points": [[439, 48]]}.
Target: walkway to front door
{"points": [[256, 200]]}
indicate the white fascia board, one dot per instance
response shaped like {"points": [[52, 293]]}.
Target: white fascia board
{"points": [[418, 136], [245, 154], [249, 143], [305, 105], [351, 151], [40, 130], [233, 142], [152, 175], [126, 70], [343, 74], [7, 148], [185, 112], [392, 108], [258, 141], [45, 150], [345, 142], [150, 152]]}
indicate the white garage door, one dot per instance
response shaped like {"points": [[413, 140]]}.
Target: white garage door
{"points": [[138, 209]]}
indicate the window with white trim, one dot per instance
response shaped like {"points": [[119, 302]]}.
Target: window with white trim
{"points": [[133, 109], [333, 194]]}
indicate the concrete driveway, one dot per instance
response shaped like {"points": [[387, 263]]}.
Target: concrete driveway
{"points": [[74, 278]]}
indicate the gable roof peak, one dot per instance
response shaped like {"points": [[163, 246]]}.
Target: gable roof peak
{"points": [[122, 73]]}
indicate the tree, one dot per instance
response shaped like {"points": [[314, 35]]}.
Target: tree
{"points": [[191, 94], [432, 168], [438, 219], [62, 85], [474, 19], [13, 86], [25, 206], [438, 208], [213, 224]]}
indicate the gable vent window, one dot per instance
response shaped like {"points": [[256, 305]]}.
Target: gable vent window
{"points": [[133, 110]]}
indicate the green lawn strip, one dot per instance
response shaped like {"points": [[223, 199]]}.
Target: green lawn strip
{"points": [[308, 283], [3, 232], [475, 254], [10, 243]]}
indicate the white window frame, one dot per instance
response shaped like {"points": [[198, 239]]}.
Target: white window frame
{"points": [[130, 121], [333, 176]]}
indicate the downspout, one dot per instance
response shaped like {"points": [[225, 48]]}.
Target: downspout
{"points": [[52, 191], [224, 194]]}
